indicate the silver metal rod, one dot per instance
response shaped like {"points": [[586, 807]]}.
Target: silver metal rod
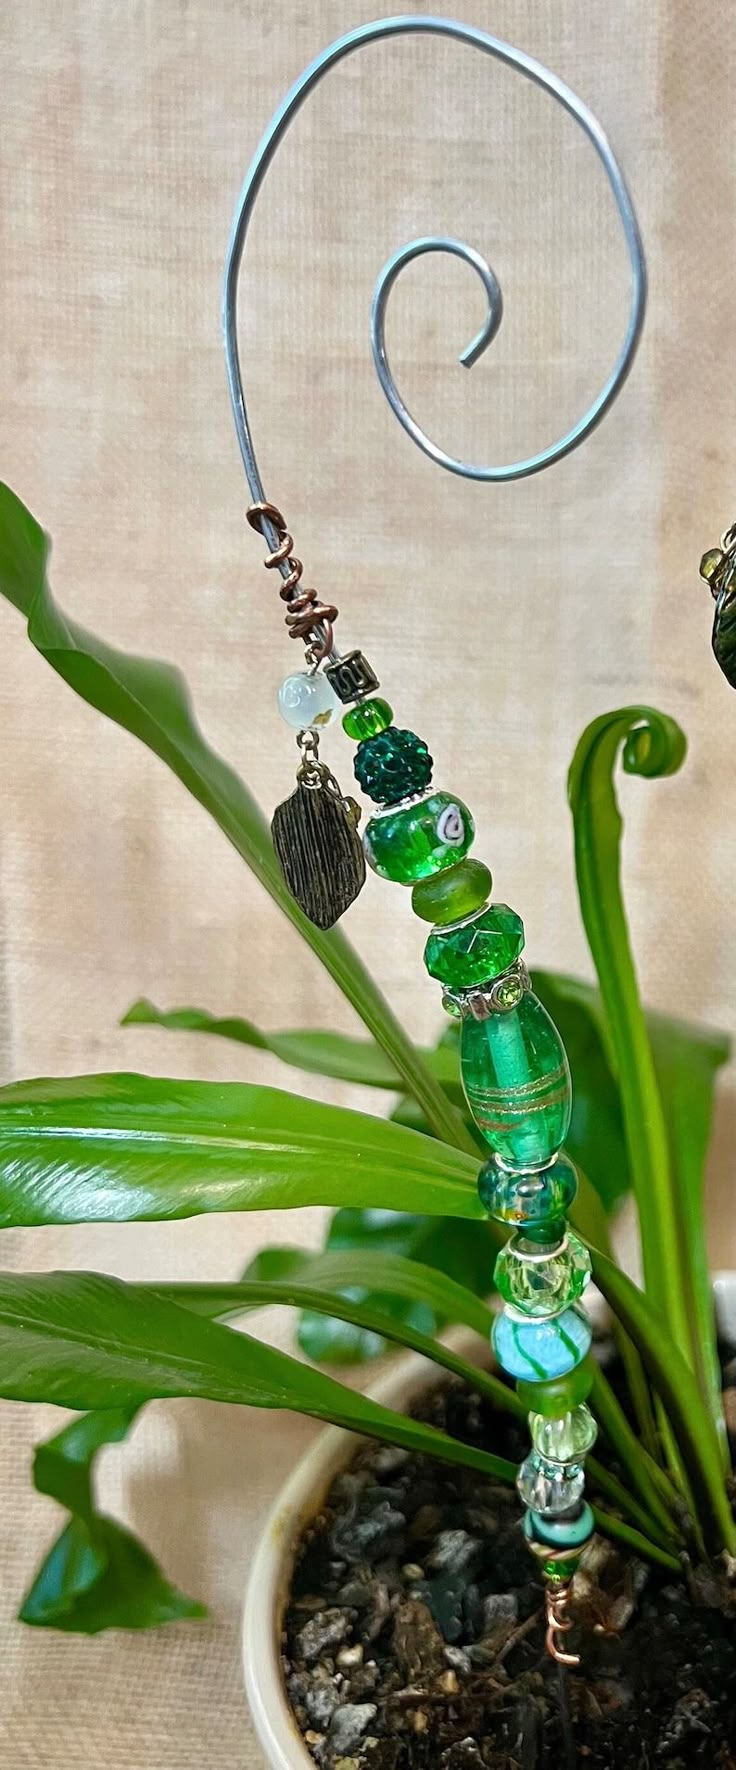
{"points": [[549, 82]]}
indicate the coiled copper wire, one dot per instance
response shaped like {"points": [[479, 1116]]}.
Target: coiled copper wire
{"points": [[305, 612], [557, 1598]]}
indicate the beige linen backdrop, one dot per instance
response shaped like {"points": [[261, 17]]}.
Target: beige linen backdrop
{"points": [[501, 619]]}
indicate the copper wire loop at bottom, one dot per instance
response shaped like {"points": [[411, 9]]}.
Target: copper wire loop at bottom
{"points": [[305, 612], [557, 1598]]}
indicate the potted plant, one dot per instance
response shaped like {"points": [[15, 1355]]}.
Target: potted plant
{"points": [[134, 1148]]}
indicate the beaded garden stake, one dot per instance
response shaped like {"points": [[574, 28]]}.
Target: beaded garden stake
{"points": [[514, 1068]]}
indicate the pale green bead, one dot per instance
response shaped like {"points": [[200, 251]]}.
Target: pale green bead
{"points": [[542, 1281], [566, 1439]]}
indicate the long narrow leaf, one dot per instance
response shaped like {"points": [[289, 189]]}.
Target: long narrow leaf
{"points": [[652, 745], [87, 1341], [672, 1377], [319, 1053], [126, 1148], [151, 700], [366, 1271]]}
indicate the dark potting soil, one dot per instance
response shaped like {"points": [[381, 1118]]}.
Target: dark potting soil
{"points": [[414, 1633]]}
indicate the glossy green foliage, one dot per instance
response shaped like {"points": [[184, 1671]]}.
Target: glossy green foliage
{"points": [[127, 1148], [107, 1343], [97, 1575]]}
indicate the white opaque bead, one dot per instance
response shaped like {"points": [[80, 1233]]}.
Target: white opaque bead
{"points": [[307, 702]]}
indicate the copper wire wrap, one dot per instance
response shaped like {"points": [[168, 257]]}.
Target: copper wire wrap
{"points": [[556, 1599], [305, 612]]}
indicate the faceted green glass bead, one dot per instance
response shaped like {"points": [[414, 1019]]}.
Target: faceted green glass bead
{"points": [[535, 1351], [560, 1533], [477, 950], [565, 1439], [550, 1488], [413, 842], [367, 719], [453, 894], [532, 1198], [393, 765], [542, 1281], [517, 1082], [552, 1399]]}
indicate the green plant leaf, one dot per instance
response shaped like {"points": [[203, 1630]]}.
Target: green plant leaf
{"points": [[686, 1060], [319, 1053], [88, 1341], [651, 745], [97, 1575], [151, 700], [372, 1240], [697, 1437], [596, 1140], [126, 1148]]}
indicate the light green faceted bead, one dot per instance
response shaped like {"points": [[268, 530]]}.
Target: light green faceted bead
{"points": [[551, 1488], [564, 1440], [542, 1281], [517, 1081], [410, 842]]}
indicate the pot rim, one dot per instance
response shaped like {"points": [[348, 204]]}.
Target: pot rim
{"points": [[298, 1500]]}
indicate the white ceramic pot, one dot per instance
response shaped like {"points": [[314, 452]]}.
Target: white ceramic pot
{"points": [[298, 1501]]}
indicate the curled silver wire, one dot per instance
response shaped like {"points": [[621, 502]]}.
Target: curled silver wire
{"points": [[540, 76]]}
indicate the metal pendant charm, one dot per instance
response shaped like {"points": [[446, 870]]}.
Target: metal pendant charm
{"points": [[315, 834], [718, 567]]}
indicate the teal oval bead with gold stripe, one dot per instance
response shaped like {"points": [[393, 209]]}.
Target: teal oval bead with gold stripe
{"points": [[517, 1082]]}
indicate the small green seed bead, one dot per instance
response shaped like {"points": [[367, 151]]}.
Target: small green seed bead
{"points": [[454, 894], [546, 1234], [560, 1394], [559, 1568], [368, 719]]}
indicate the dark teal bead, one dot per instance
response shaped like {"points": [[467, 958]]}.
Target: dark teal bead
{"points": [[393, 765], [571, 1532]]}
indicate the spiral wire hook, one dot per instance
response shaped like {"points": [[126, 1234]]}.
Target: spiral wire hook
{"points": [[539, 75]]}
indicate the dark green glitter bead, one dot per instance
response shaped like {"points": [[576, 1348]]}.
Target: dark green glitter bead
{"points": [[393, 765], [411, 842], [453, 894], [558, 1395], [477, 950], [535, 1198], [367, 720]]}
